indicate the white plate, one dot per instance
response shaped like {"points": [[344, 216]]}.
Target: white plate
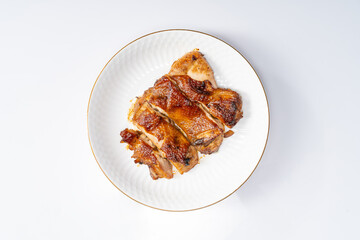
{"points": [[134, 69]]}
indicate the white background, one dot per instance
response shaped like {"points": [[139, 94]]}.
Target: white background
{"points": [[307, 55]]}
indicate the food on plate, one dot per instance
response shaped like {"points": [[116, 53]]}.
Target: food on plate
{"points": [[195, 66], [183, 113], [228, 133], [203, 131], [146, 153], [168, 139], [222, 103]]}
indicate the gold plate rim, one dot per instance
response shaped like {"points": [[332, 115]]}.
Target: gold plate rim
{"points": [[87, 118]]}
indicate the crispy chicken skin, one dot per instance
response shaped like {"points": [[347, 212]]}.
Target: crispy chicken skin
{"points": [[171, 143], [183, 113], [194, 65], [146, 154], [222, 103], [201, 129]]}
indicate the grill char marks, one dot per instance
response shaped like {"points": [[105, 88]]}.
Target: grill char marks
{"points": [[200, 128], [146, 154], [167, 138], [223, 104]]}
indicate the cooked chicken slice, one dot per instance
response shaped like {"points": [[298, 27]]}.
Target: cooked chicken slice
{"points": [[195, 65], [222, 103], [171, 143], [145, 153], [201, 129]]}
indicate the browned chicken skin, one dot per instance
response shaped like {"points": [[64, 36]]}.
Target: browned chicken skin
{"points": [[194, 65], [146, 154], [224, 104], [167, 138], [184, 112], [201, 129]]}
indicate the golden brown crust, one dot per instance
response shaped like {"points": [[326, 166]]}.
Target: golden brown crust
{"points": [[194, 65], [224, 104], [146, 154], [201, 129], [228, 134], [184, 112], [168, 139]]}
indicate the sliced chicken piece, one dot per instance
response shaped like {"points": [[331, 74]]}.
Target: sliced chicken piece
{"points": [[194, 65], [171, 143], [222, 103], [203, 131], [145, 153]]}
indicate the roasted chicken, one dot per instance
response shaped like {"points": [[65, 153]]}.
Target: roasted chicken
{"points": [[171, 143], [203, 131], [195, 66], [183, 113], [223, 104], [146, 153]]}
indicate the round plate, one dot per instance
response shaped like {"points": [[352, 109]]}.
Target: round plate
{"points": [[134, 69]]}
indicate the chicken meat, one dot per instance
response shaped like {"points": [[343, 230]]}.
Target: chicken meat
{"points": [[224, 104], [171, 143], [194, 65], [203, 131], [146, 153]]}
